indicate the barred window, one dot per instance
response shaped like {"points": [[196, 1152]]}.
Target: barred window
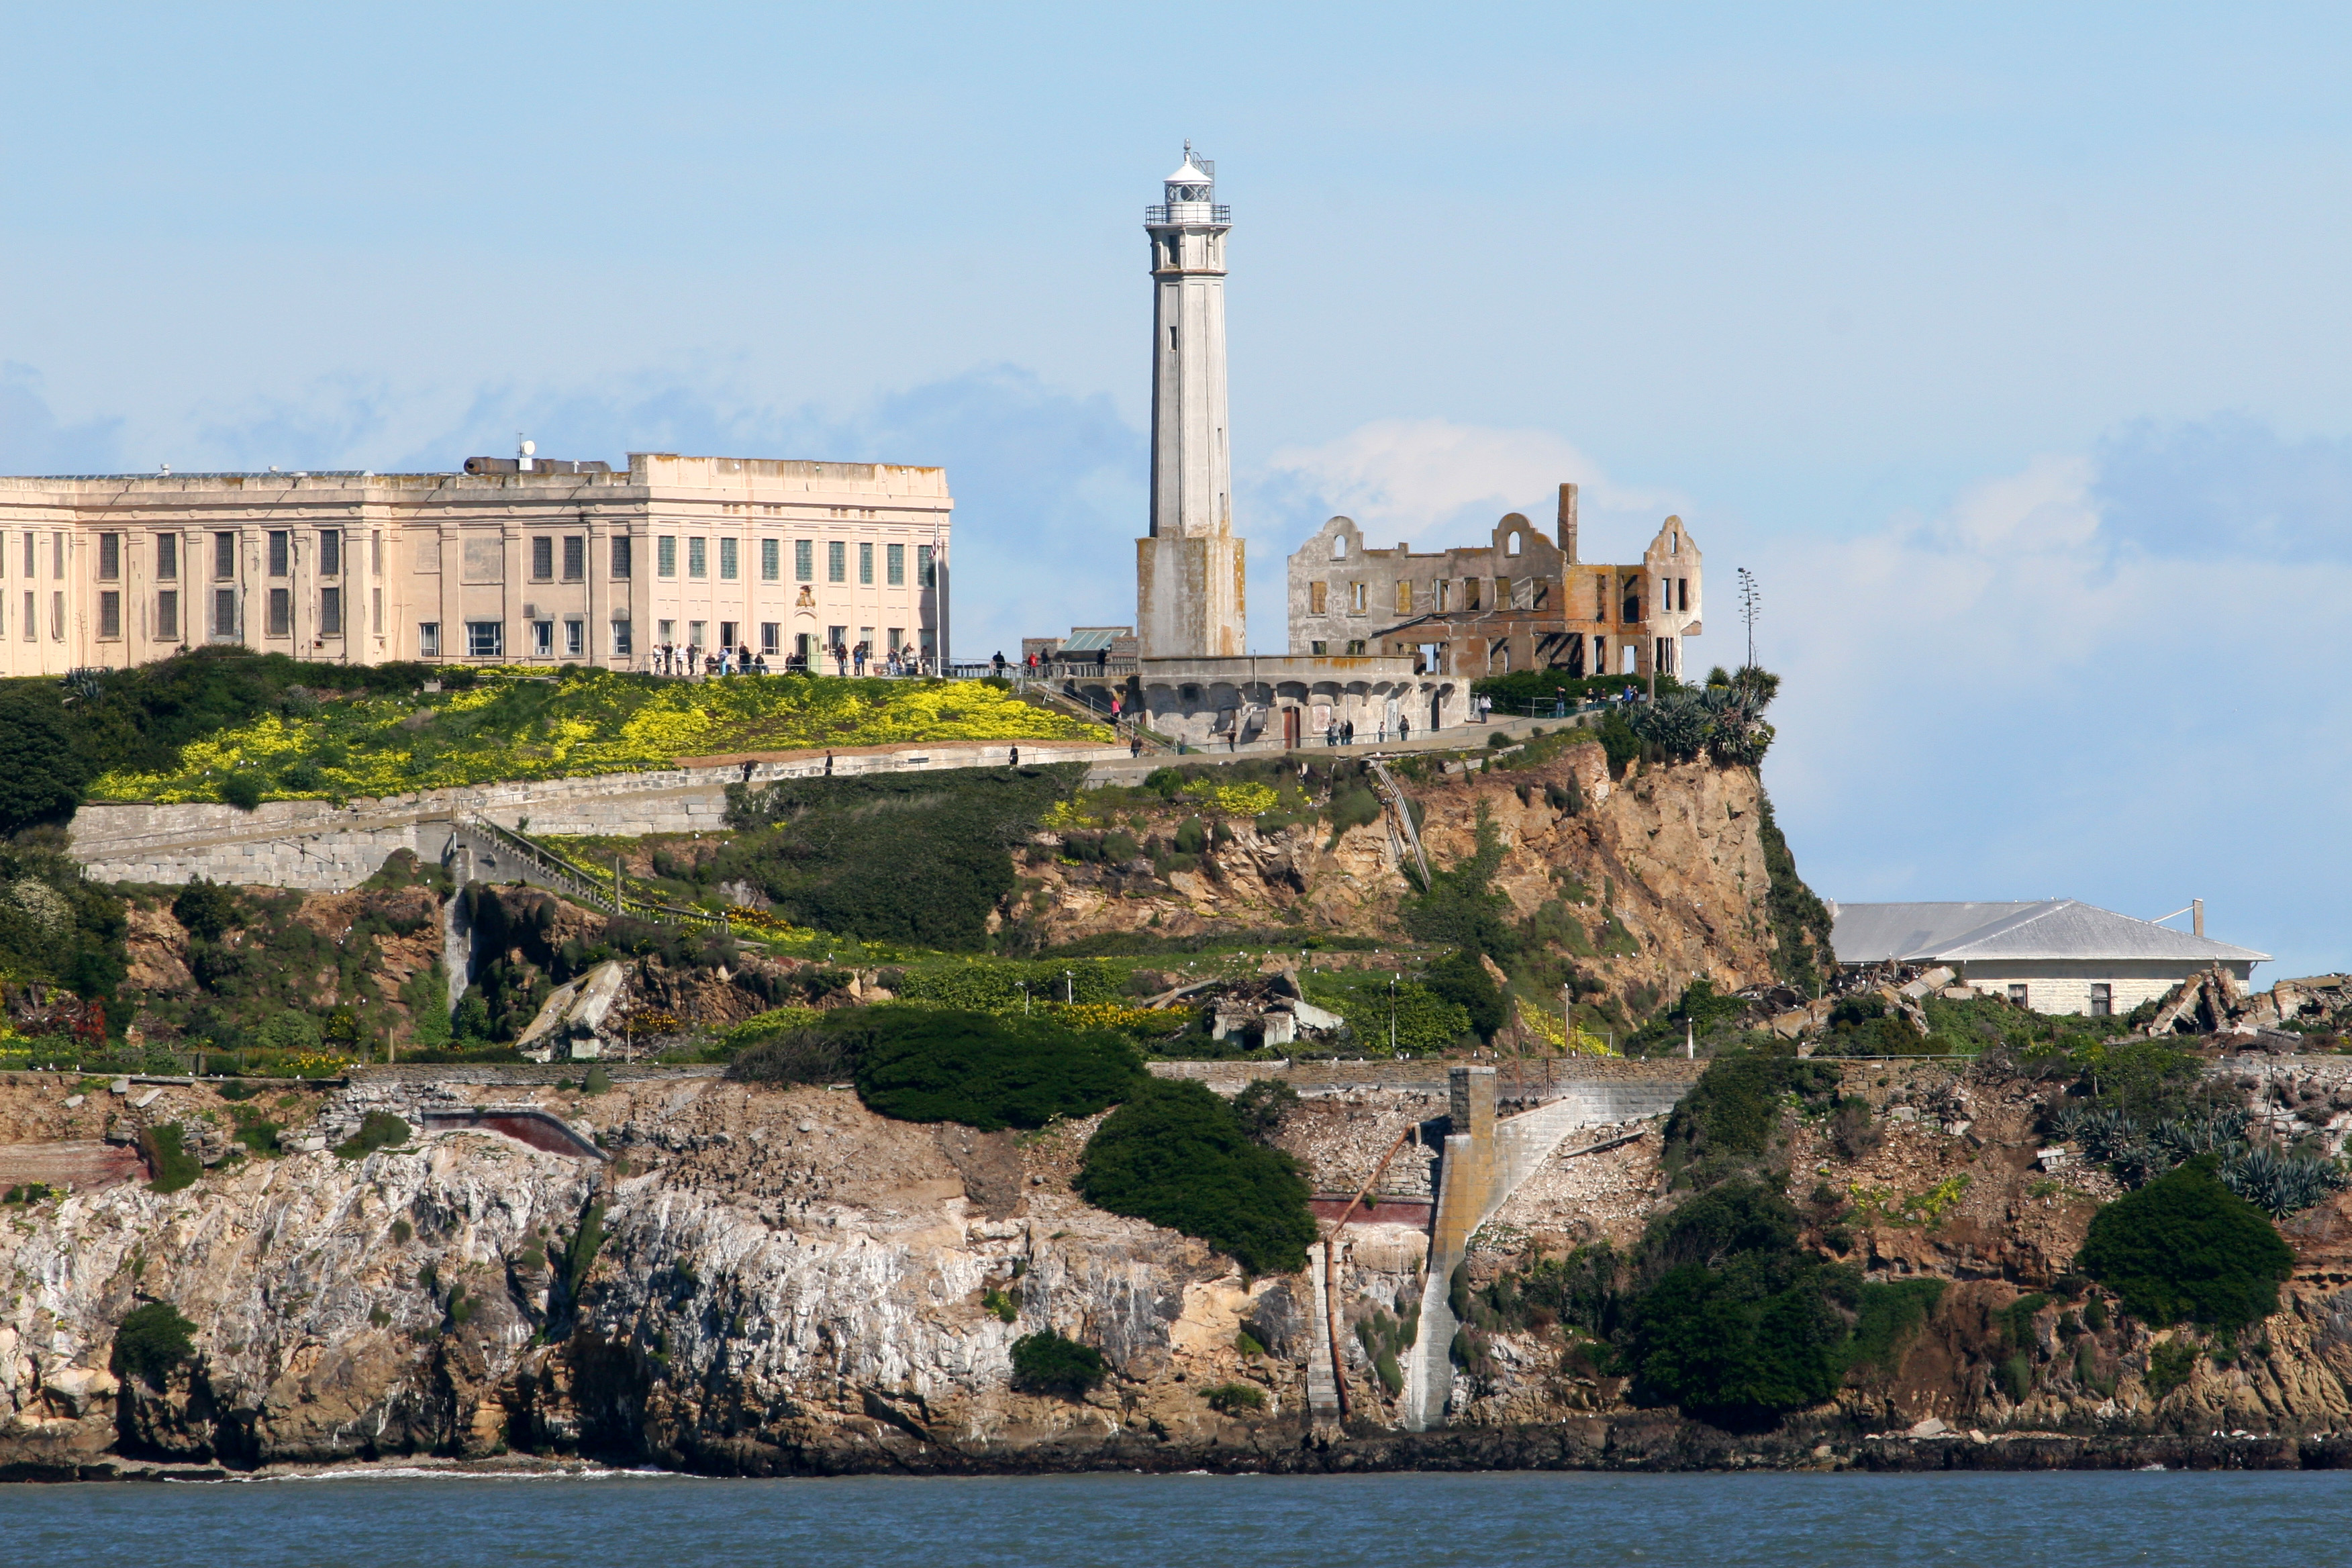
{"points": [[224, 611], [621, 562], [167, 615], [281, 612], [697, 558], [926, 569], [110, 557], [331, 553], [330, 612], [542, 557], [771, 567], [836, 561], [576, 557], [665, 555], [280, 548], [224, 556], [803, 560], [167, 557], [110, 613], [866, 565], [895, 564], [728, 566]]}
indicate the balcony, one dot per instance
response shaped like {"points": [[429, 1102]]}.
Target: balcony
{"points": [[1189, 214]]}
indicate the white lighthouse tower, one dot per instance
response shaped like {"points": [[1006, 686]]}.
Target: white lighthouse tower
{"points": [[1189, 572]]}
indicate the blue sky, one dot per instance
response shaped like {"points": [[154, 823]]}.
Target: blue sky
{"points": [[2007, 345]]}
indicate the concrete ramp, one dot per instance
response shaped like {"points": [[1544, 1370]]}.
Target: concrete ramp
{"points": [[1484, 1162]]}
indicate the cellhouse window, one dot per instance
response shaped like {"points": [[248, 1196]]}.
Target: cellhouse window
{"points": [[281, 544], [110, 557], [728, 569], [694, 634], [375, 617], [665, 555], [485, 639], [575, 638], [803, 560], [330, 612], [331, 553], [110, 613], [621, 555], [224, 556], [281, 612], [697, 558], [771, 560], [428, 640], [726, 634], [836, 561], [167, 615], [542, 557], [167, 558], [923, 566], [771, 636], [666, 631], [621, 637], [31, 559], [224, 611], [894, 564], [866, 565], [576, 557]]}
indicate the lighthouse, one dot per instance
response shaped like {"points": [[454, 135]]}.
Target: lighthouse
{"points": [[1188, 572]]}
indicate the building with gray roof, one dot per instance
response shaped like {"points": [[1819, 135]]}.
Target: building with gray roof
{"points": [[2055, 955]]}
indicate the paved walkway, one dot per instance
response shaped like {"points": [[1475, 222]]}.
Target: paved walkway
{"points": [[1462, 737]]}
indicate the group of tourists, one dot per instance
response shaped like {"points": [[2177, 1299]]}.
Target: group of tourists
{"points": [[692, 662]]}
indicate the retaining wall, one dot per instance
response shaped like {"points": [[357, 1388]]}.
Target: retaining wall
{"points": [[321, 846]]}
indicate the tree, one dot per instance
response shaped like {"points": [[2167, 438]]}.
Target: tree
{"points": [[1461, 979], [1178, 1155], [41, 770], [2185, 1247]]}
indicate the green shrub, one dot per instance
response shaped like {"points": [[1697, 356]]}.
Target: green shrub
{"points": [[42, 771], [1391, 1376], [1461, 979], [1886, 1317], [242, 789], [1046, 1363], [2016, 1375], [151, 1340], [1461, 907], [1230, 1398], [207, 909], [1247, 1343], [919, 1064], [1741, 1345], [1732, 1114], [2168, 1367], [810, 1055], [378, 1130], [2185, 1247], [921, 858], [581, 1256], [168, 1156], [1005, 1308], [597, 1080], [1178, 1155]]}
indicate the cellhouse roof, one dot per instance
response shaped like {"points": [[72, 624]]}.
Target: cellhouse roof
{"points": [[2048, 929]]}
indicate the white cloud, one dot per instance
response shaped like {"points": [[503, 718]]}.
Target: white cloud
{"points": [[1421, 475]]}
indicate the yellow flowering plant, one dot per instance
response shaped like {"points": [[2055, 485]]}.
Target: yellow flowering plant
{"points": [[584, 722]]}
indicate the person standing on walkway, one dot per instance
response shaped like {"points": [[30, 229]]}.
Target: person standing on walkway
{"points": [[1135, 743], [1016, 758], [1404, 729]]}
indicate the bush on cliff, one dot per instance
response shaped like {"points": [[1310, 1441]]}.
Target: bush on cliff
{"points": [[1179, 1154], [1047, 1363], [921, 1064], [1731, 1117], [150, 1342], [2186, 1248]]}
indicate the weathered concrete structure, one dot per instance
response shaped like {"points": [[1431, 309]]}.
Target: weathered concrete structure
{"points": [[1196, 681], [513, 561], [1520, 601]]}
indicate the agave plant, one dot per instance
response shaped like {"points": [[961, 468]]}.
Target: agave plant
{"points": [[2279, 1184]]}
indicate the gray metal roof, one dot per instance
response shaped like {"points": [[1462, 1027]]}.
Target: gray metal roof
{"points": [[2048, 928]]}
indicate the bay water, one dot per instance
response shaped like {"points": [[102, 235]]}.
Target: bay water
{"points": [[388, 1519]]}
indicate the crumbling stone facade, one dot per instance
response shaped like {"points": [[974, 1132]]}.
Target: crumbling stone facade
{"points": [[1520, 601]]}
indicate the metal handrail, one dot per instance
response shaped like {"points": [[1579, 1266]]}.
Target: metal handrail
{"points": [[1158, 213], [590, 888]]}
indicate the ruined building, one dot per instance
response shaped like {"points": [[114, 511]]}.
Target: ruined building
{"points": [[1519, 601]]}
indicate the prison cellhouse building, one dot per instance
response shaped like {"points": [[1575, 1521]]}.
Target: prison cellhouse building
{"points": [[521, 559], [1519, 601]]}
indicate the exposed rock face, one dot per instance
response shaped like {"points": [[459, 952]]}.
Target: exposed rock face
{"points": [[1661, 875]]}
